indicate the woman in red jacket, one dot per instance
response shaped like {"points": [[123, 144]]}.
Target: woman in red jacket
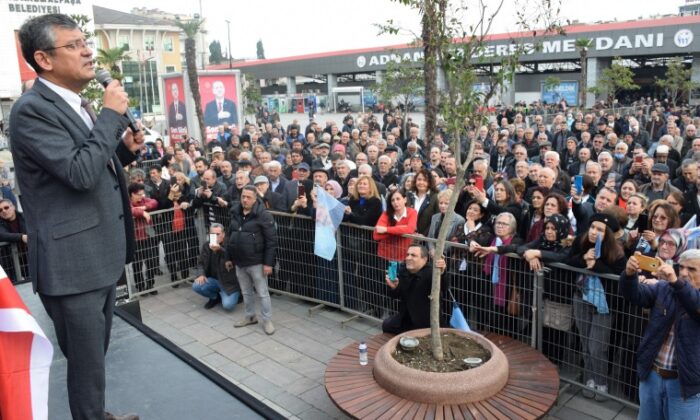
{"points": [[397, 220]]}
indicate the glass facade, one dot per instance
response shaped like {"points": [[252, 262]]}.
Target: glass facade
{"points": [[141, 83]]}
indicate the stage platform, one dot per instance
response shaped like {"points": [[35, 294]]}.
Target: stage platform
{"points": [[144, 377]]}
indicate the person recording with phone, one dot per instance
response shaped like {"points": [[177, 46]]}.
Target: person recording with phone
{"points": [[667, 358], [412, 286], [68, 163]]}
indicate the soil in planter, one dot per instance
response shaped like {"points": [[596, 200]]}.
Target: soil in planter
{"points": [[455, 347]]}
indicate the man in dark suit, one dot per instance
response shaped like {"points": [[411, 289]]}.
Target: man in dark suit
{"points": [[220, 110], [68, 163], [177, 116]]}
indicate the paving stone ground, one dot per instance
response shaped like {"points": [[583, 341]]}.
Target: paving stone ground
{"points": [[285, 370]]}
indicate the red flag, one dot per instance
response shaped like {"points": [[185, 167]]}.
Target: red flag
{"points": [[25, 359]]}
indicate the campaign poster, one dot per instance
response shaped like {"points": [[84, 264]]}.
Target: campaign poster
{"points": [[220, 105], [564, 90], [177, 111]]}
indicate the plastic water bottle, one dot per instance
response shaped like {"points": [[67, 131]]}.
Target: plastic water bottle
{"points": [[363, 353]]}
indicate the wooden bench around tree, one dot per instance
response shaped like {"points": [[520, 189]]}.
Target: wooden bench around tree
{"points": [[532, 388]]}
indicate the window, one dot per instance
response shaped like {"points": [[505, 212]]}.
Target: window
{"points": [[123, 41], [168, 44], [170, 69], [149, 42]]}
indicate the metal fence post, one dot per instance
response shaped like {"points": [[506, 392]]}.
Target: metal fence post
{"points": [[16, 263], [341, 284], [538, 310]]}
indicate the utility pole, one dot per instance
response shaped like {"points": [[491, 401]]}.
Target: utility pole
{"points": [[228, 31], [201, 38]]}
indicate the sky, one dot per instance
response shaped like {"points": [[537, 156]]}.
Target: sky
{"points": [[297, 27]]}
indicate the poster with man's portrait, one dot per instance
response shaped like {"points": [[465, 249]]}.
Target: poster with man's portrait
{"points": [[177, 112], [220, 103]]}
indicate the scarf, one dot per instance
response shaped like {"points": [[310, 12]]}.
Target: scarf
{"points": [[498, 274], [592, 291], [561, 225]]}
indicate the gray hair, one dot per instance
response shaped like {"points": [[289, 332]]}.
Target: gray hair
{"points": [[37, 34], [688, 255], [553, 154], [272, 163], [512, 223], [217, 226], [604, 152], [687, 163], [592, 163]]}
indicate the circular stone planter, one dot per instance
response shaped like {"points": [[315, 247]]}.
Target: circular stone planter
{"points": [[441, 388]]}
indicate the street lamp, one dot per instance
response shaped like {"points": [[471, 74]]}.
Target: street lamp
{"points": [[228, 30]]}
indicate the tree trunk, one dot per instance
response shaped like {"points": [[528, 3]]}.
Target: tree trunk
{"points": [[436, 341], [191, 61], [584, 78], [429, 21]]}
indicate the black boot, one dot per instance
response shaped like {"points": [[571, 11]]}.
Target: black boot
{"points": [[212, 302]]}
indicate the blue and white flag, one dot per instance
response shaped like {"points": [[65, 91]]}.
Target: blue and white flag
{"points": [[691, 233], [457, 320], [329, 214]]}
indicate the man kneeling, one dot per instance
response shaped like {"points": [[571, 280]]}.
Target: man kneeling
{"points": [[212, 279], [412, 286]]}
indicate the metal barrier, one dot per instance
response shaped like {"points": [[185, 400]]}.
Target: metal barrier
{"points": [[541, 309], [13, 259]]}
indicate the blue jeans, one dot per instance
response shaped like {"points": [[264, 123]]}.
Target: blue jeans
{"points": [[211, 288], [661, 399]]}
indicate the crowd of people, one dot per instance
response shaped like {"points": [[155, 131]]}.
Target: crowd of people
{"points": [[591, 189]]}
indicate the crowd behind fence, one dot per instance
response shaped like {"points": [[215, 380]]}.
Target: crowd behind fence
{"points": [[536, 308]]}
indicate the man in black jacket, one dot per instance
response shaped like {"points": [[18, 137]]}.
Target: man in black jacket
{"points": [[252, 244], [213, 279], [412, 286], [13, 229]]}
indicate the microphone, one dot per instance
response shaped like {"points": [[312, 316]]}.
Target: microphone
{"points": [[105, 78]]}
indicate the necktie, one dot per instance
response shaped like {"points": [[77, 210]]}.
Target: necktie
{"points": [[175, 107], [218, 106], [85, 104]]}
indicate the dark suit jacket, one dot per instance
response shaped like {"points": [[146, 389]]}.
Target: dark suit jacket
{"points": [[211, 114], [78, 214], [172, 122]]}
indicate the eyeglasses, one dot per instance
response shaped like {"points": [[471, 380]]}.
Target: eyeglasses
{"points": [[659, 216], [667, 243], [4, 208], [80, 44], [502, 224]]}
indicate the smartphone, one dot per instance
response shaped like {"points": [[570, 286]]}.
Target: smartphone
{"points": [[611, 177], [203, 183], [649, 264], [212, 239], [642, 222], [301, 190], [392, 270], [578, 183], [638, 159], [478, 182]]}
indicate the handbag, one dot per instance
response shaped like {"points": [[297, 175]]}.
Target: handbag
{"points": [[558, 315]]}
